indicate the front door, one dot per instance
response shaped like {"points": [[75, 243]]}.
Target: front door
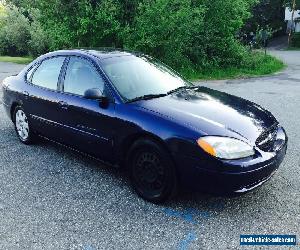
{"points": [[90, 127]]}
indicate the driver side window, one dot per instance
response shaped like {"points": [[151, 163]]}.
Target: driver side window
{"points": [[81, 75]]}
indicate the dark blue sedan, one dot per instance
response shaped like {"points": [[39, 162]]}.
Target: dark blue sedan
{"points": [[128, 109]]}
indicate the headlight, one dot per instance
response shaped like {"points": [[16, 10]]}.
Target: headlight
{"points": [[225, 148]]}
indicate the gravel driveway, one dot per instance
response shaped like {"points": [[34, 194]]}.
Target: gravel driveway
{"points": [[52, 198]]}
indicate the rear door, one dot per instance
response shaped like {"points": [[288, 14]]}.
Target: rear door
{"points": [[90, 126], [40, 98]]}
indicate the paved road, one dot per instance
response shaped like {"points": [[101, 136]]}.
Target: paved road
{"points": [[51, 198]]}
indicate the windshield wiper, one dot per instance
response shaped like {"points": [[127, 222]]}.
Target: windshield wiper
{"points": [[152, 96], [180, 88], [146, 97]]}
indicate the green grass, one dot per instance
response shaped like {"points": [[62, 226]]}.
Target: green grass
{"points": [[18, 60], [257, 65]]}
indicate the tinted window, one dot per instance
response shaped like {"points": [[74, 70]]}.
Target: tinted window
{"points": [[48, 72], [81, 75]]}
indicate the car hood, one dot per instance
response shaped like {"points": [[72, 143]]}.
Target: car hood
{"points": [[213, 112]]}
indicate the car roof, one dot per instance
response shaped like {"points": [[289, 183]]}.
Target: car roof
{"points": [[100, 54]]}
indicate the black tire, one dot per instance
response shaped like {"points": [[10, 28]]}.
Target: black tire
{"points": [[31, 138], [152, 171]]}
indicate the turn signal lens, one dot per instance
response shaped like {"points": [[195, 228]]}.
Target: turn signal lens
{"points": [[206, 147]]}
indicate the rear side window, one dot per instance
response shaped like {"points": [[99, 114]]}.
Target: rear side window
{"points": [[48, 72], [81, 75]]}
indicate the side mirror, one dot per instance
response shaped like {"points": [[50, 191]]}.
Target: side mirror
{"points": [[96, 94], [93, 94]]}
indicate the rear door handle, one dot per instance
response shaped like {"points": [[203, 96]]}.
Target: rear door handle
{"points": [[63, 105]]}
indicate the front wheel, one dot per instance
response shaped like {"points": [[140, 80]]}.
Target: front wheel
{"points": [[152, 172], [22, 126]]}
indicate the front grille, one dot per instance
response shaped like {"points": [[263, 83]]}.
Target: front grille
{"points": [[267, 139]]}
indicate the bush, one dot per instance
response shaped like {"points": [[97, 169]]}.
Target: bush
{"points": [[255, 64], [295, 40]]}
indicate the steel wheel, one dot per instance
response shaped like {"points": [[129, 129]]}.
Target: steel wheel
{"points": [[149, 173], [152, 171]]}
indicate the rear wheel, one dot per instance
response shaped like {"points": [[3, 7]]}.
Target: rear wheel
{"points": [[152, 171], [22, 126]]}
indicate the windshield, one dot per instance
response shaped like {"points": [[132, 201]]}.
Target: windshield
{"points": [[135, 77]]}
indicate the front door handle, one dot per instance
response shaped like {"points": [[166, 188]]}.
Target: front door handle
{"points": [[26, 94], [63, 105]]}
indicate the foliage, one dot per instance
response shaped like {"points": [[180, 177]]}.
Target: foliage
{"points": [[289, 3], [167, 29], [259, 65], [39, 40], [14, 35], [106, 25], [2, 15], [259, 35], [190, 35], [93, 25], [21, 35], [267, 14], [222, 21], [295, 40]]}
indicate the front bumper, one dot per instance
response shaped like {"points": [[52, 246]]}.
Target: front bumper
{"points": [[236, 176]]}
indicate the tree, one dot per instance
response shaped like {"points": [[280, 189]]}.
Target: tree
{"points": [[20, 34], [166, 29], [186, 34], [289, 3], [2, 14], [223, 19], [106, 25], [39, 39], [267, 13], [94, 24], [14, 34], [190, 32]]}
